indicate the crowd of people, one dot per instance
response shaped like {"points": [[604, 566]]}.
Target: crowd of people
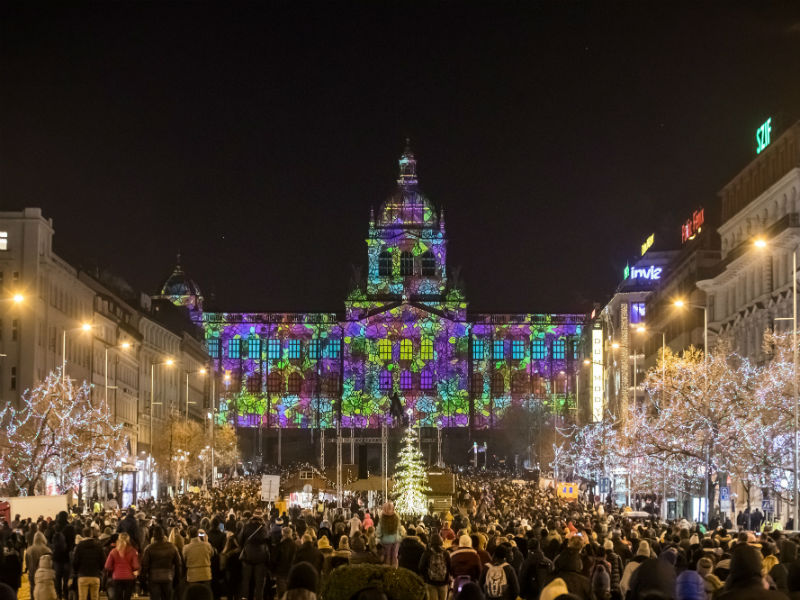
{"points": [[500, 540]]}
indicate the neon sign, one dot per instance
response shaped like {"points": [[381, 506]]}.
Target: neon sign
{"points": [[626, 272], [652, 273], [762, 136], [648, 242], [693, 226], [597, 374]]}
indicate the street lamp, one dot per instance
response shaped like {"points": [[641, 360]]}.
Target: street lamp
{"points": [[18, 298], [200, 371], [122, 346], [168, 362], [760, 243], [83, 328]]}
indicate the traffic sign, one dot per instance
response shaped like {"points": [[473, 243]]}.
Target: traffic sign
{"points": [[724, 494], [766, 505]]}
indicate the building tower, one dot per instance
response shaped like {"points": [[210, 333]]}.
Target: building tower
{"points": [[181, 290]]}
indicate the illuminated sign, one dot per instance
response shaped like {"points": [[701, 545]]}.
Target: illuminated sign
{"points": [[762, 136], [597, 374], [692, 226], [651, 273], [626, 272], [648, 242]]}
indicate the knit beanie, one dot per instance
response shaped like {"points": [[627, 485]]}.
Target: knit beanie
{"points": [[303, 576]]}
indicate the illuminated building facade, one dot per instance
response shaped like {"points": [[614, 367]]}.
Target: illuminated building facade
{"points": [[405, 342]]}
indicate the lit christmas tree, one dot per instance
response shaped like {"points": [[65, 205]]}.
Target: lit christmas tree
{"points": [[410, 478]]}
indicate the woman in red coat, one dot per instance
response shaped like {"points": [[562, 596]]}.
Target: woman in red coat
{"points": [[123, 562]]}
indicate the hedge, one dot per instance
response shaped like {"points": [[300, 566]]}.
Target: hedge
{"points": [[344, 583]]}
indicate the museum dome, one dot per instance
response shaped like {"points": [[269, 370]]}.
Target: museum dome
{"points": [[406, 205], [180, 289]]}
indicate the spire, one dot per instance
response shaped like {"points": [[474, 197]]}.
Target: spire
{"points": [[441, 219], [372, 216], [178, 262], [408, 166]]}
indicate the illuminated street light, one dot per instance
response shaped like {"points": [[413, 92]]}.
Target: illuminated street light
{"points": [[18, 298]]}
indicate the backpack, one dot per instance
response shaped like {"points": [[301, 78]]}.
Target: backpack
{"points": [[437, 567], [496, 581]]}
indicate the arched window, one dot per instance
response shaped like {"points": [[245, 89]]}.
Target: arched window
{"points": [[406, 350], [295, 383], [426, 349], [405, 380], [406, 264], [254, 383], [385, 264], [275, 383], [385, 380], [428, 264], [385, 349], [426, 380], [498, 384]]}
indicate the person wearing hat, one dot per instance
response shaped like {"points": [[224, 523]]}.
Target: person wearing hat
{"points": [[465, 563], [197, 555], [303, 583], [746, 580], [388, 533], [711, 582], [642, 554], [307, 552]]}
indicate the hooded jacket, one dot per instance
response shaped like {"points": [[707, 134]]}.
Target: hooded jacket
{"points": [[744, 582], [569, 567], [45, 580], [653, 577]]}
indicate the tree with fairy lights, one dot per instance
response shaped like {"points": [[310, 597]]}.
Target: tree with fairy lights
{"points": [[57, 430], [410, 477]]}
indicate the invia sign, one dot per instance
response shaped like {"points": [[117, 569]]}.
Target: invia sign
{"points": [[651, 273]]}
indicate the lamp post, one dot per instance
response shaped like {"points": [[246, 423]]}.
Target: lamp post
{"points": [[200, 371], [84, 328], [168, 362], [123, 346], [760, 244]]}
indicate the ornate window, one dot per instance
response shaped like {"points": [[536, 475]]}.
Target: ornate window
{"points": [[275, 383], [497, 350], [385, 349], [517, 349], [539, 349], [428, 264], [498, 384], [385, 264], [477, 349], [295, 383], [426, 379], [273, 349], [405, 380], [406, 350], [234, 348], [385, 380], [406, 264], [294, 349], [426, 349]]}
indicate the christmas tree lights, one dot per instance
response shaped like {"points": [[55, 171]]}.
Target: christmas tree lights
{"points": [[410, 478]]}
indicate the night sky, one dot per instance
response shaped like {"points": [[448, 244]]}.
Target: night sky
{"points": [[255, 139]]}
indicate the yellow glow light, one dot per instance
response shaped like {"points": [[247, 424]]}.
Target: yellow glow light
{"points": [[18, 298]]}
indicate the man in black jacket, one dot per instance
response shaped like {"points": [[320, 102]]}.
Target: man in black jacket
{"points": [[255, 556], [283, 559], [161, 565], [87, 563]]}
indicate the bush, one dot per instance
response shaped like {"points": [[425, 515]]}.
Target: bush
{"points": [[346, 581]]}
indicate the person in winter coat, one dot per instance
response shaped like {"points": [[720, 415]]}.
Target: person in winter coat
{"points": [[711, 582], [745, 580], [535, 571], [231, 566], [653, 578], [780, 572], [255, 558], [33, 555], [197, 555], [499, 579], [303, 583], [434, 567], [388, 533], [554, 589], [465, 562], [11, 565], [123, 563], [690, 585], [568, 566], [410, 552], [642, 554], [161, 565], [308, 553], [45, 579], [359, 553], [87, 564]]}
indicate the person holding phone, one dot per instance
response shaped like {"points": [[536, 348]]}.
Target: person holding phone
{"points": [[197, 556]]}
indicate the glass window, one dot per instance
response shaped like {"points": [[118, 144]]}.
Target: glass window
{"points": [[333, 348], [405, 380], [274, 349], [254, 347], [426, 380], [428, 264], [295, 382], [294, 349], [519, 383], [497, 350], [313, 349], [385, 349], [477, 349], [498, 384], [637, 312], [213, 347], [3, 240], [559, 350], [254, 383], [517, 349], [406, 264], [234, 348], [539, 349], [477, 383], [426, 349], [274, 383], [406, 350], [385, 264], [331, 384], [385, 381], [576, 347], [538, 385]]}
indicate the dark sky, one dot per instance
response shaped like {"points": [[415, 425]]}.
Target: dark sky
{"points": [[255, 138]]}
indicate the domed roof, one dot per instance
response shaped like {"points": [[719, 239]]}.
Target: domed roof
{"points": [[406, 205], [179, 284]]}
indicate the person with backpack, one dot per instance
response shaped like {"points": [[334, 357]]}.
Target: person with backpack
{"points": [[499, 579], [255, 556], [535, 572], [434, 566], [161, 565]]}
